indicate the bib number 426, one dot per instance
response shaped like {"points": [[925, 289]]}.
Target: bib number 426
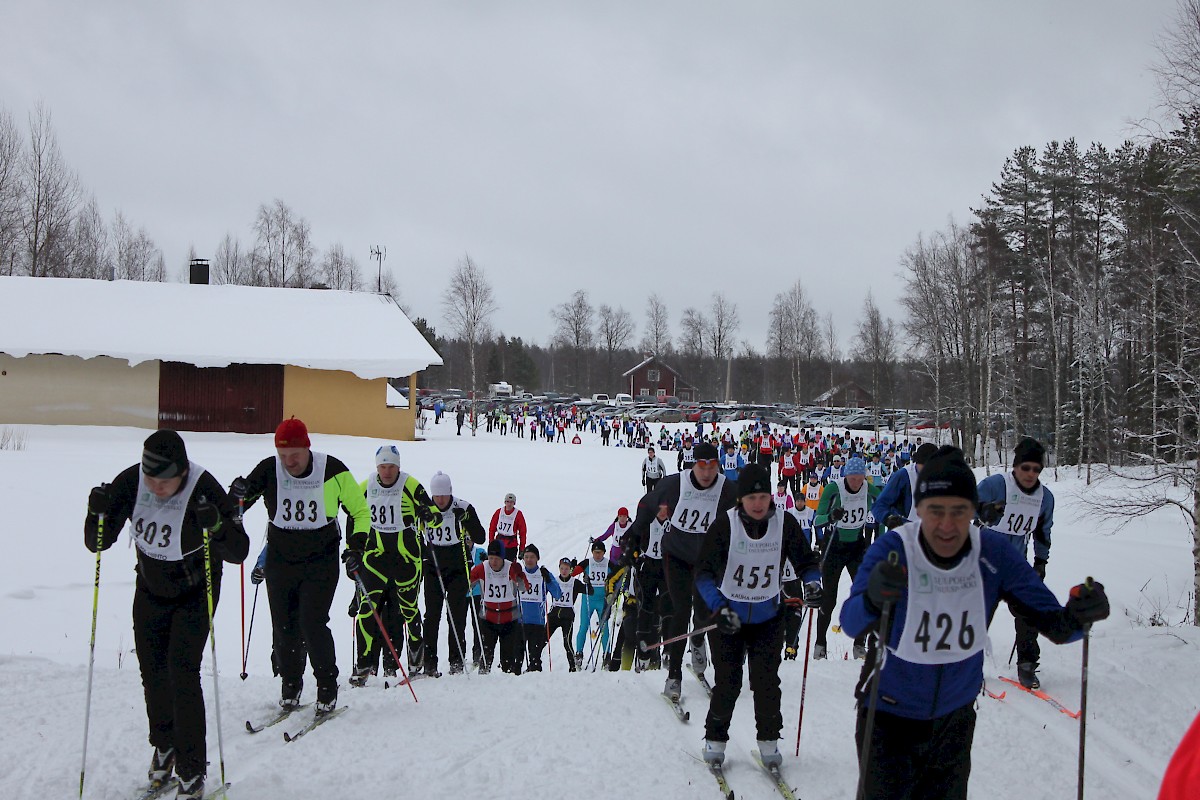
{"points": [[945, 625]]}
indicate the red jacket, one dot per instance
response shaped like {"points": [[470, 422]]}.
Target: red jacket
{"points": [[790, 464], [505, 611], [518, 529]]}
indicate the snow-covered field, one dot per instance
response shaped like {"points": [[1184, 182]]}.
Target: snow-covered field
{"points": [[587, 735]]}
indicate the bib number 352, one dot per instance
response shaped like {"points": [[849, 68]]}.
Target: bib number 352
{"points": [[946, 632]]}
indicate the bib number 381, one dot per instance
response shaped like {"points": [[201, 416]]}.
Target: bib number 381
{"points": [[945, 633]]}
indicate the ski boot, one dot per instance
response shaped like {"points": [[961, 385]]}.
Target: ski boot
{"points": [[769, 751], [162, 764], [358, 678], [327, 691], [191, 788], [673, 688], [456, 667], [860, 651], [819, 652], [390, 672], [714, 752], [789, 653], [1027, 675], [289, 696], [699, 658], [416, 657]]}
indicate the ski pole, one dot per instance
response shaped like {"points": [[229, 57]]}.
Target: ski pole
{"points": [[362, 590], [87, 714], [246, 649], [476, 632], [693, 632], [1083, 687], [804, 680], [460, 643], [549, 655], [864, 756], [212, 634], [242, 586]]}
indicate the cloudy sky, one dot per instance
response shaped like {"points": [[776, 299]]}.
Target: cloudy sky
{"points": [[622, 148]]}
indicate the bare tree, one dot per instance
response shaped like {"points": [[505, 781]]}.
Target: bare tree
{"points": [[93, 258], [231, 264], [10, 192], [657, 339], [575, 321], [723, 322], [1178, 70], [50, 191], [135, 256], [468, 305], [340, 269], [829, 340], [793, 335], [876, 345], [283, 252], [615, 329]]}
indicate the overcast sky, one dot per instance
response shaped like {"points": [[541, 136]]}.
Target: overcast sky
{"points": [[622, 148]]}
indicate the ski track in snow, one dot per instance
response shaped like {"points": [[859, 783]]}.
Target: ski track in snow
{"points": [[600, 734]]}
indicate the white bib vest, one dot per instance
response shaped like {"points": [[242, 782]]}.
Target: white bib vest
{"points": [[446, 533], [385, 504], [537, 587], [158, 524], [597, 571], [697, 508], [566, 589], [497, 586], [946, 621], [1021, 511], [780, 501], [654, 550], [854, 504], [300, 502], [653, 472], [752, 571], [505, 523]]}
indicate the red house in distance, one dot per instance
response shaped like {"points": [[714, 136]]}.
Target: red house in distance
{"points": [[652, 379]]}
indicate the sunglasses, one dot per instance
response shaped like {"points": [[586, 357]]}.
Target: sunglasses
{"points": [[706, 462], [1036, 469]]}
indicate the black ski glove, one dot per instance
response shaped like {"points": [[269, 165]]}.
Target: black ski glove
{"points": [[836, 514], [1039, 566], [208, 516], [100, 500], [237, 489], [256, 576], [886, 584], [1088, 603], [894, 521], [812, 594], [991, 513], [353, 562], [727, 621]]}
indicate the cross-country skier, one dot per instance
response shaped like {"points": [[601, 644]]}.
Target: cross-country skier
{"points": [[653, 470], [170, 502], [508, 527], [501, 580], [562, 608], [596, 572], [651, 587], [302, 490], [387, 558], [844, 505], [732, 462], [738, 576], [1018, 505], [616, 532], [942, 589], [533, 606], [448, 539], [693, 499], [895, 505]]}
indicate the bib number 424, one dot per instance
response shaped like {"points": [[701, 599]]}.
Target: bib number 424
{"points": [[947, 633]]}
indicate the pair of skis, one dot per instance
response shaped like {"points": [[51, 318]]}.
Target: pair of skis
{"points": [[781, 785], [316, 722], [171, 784], [1040, 695]]}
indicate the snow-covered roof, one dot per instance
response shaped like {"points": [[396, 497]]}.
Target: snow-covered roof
{"points": [[646, 361], [211, 326]]}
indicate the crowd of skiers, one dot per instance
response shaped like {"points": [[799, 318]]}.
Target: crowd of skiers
{"points": [[725, 553]]}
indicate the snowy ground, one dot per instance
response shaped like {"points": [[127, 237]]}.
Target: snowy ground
{"points": [[587, 735]]}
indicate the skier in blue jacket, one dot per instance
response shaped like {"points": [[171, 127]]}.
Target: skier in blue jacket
{"points": [[895, 505], [942, 577], [533, 606], [739, 576]]}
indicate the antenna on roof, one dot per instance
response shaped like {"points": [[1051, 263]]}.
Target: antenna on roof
{"points": [[379, 254]]}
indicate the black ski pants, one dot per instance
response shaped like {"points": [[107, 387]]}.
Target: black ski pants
{"points": [[759, 645], [793, 616], [508, 635], [912, 759], [392, 585], [681, 586], [535, 643], [563, 618], [170, 636], [456, 587], [475, 615], [300, 594], [652, 587], [838, 556]]}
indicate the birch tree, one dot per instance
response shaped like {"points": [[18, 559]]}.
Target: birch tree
{"points": [[467, 307]]}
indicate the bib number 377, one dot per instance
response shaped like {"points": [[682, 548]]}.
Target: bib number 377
{"points": [[945, 633]]}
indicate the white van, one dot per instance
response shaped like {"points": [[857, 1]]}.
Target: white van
{"points": [[600, 398], [623, 399]]}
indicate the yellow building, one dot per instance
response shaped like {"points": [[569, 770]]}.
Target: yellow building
{"points": [[204, 358]]}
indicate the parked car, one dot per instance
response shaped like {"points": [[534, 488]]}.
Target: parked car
{"points": [[664, 415]]}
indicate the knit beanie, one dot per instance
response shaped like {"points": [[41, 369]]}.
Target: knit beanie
{"points": [[291, 433], [753, 479], [439, 485], [946, 474], [388, 454], [1029, 449], [163, 455], [924, 453], [705, 452]]}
